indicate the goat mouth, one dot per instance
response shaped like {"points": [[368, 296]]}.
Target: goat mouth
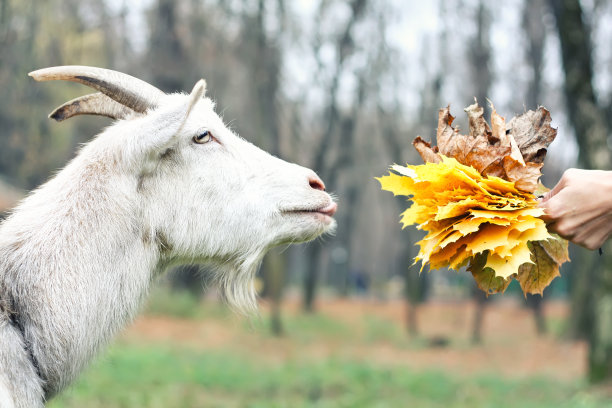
{"points": [[326, 212]]}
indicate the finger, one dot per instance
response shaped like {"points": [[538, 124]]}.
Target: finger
{"points": [[553, 227], [545, 217], [591, 242], [556, 189], [593, 234]]}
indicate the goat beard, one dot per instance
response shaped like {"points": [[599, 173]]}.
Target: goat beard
{"points": [[237, 284], [236, 279]]}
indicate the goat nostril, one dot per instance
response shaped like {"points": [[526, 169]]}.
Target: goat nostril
{"points": [[316, 183]]}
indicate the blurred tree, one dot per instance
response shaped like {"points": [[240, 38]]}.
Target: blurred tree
{"points": [[34, 35], [166, 55], [482, 75], [535, 32], [337, 133], [9, 197], [592, 286], [188, 278], [274, 270], [480, 55], [415, 282], [263, 59], [575, 44]]}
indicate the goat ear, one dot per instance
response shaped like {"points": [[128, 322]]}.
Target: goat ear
{"points": [[162, 126], [197, 93]]}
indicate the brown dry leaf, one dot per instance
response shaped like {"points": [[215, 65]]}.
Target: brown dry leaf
{"points": [[556, 248], [514, 168], [546, 257], [526, 175], [533, 134], [498, 123], [475, 149], [477, 123], [428, 154], [514, 152]]}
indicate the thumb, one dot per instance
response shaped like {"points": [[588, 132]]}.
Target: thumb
{"points": [[546, 196], [544, 204], [551, 193]]}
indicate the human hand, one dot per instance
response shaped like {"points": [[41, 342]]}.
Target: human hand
{"points": [[579, 207]]}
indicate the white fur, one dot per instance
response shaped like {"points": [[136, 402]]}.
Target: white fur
{"points": [[6, 401], [78, 255]]}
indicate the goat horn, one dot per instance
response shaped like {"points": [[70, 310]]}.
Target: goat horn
{"points": [[92, 104], [125, 89]]}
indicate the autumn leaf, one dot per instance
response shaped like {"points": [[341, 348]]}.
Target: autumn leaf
{"points": [[485, 277], [556, 249], [427, 153], [476, 148], [546, 257], [533, 133], [474, 196], [466, 214]]}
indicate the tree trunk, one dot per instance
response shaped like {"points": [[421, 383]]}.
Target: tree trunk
{"points": [[480, 56], [592, 291], [274, 265], [536, 303], [415, 283], [167, 56], [189, 279], [327, 169], [480, 59], [600, 339], [533, 13], [165, 59], [585, 115], [480, 300], [582, 285], [311, 276], [414, 288], [266, 80]]}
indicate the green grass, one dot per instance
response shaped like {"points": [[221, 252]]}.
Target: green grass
{"points": [[379, 329], [242, 375], [154, 376]]}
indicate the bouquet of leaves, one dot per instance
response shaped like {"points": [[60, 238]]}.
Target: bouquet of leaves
{"points": [[476, 197]]}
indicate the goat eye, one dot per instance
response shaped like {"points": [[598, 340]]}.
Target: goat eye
{"points": [[203, 137]]}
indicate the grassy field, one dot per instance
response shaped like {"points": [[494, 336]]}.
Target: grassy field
{"points": [[350, 354], [134, 376]]}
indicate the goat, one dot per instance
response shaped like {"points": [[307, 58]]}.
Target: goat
{"points": [[166, 183]]}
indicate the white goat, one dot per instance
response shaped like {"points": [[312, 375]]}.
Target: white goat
{"points": [[167, 183]]}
